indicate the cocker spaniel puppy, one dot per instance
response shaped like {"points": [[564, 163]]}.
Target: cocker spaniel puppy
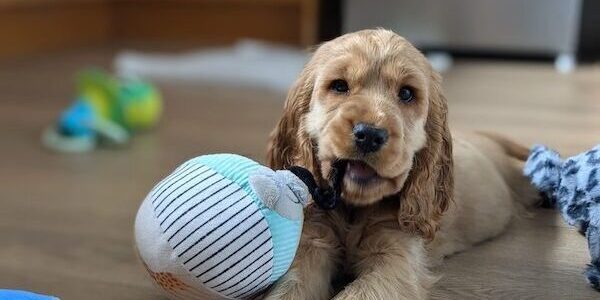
{"points": [[371, 99]]}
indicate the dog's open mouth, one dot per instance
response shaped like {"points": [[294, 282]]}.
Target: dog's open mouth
{"points": [[360, 172]]}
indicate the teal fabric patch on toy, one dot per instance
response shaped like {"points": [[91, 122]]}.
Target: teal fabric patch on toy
{"points": [[284, 243], [233, 167]]}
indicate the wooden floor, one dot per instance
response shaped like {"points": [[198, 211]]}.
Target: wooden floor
{"points": [[66, 220]]}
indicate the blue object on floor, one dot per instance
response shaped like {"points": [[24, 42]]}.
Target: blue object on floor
{"points": [[23, 295]]}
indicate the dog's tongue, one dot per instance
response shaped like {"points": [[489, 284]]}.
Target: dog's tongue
{"points": [[360, 170]]}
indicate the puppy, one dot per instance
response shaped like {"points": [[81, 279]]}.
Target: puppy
{"points": [[412, 194]]}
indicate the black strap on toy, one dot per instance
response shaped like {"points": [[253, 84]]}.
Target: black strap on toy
{"points": [[325, 197]]}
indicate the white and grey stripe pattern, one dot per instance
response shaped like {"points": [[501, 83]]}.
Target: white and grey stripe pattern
{"points": [[215, 229]]}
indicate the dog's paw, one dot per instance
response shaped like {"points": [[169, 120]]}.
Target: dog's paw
{"points": [[592, 274]]}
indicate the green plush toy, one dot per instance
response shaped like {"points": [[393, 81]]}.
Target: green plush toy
{"points": [[106, 108]]}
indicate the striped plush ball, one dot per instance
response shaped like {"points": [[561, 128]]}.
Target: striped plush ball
{"points": [[220, 227]]}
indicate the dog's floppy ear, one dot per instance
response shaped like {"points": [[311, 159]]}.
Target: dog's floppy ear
{"points": [[429, 188], [289, 142]]}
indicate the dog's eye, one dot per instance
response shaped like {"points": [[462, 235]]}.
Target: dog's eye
{"points": [[339, 85], [406, 94]]}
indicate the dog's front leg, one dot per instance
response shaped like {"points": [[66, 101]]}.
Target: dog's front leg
{"points": [[317, 259], [389, 265]]}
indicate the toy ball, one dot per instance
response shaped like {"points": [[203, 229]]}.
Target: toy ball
{"points": [[220, 226], [139, 105]]}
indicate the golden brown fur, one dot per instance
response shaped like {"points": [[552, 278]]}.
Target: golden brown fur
{"points": [[387, 231]]}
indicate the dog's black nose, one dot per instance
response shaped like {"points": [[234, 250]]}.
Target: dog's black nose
{"points": [[369, 138]]}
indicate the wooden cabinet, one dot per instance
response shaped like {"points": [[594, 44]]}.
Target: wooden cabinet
{"points": [[33, 26]]}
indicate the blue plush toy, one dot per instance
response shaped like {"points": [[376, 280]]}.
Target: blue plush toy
{"points": [[23, 295], [573, 186]]}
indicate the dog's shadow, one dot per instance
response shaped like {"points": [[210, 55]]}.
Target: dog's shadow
{"points": [[537, 257]]}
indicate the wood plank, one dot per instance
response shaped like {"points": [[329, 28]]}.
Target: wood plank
{"points": [[36, 3], [309, 22], [15, 4], [36, 27], [202, 22]]}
